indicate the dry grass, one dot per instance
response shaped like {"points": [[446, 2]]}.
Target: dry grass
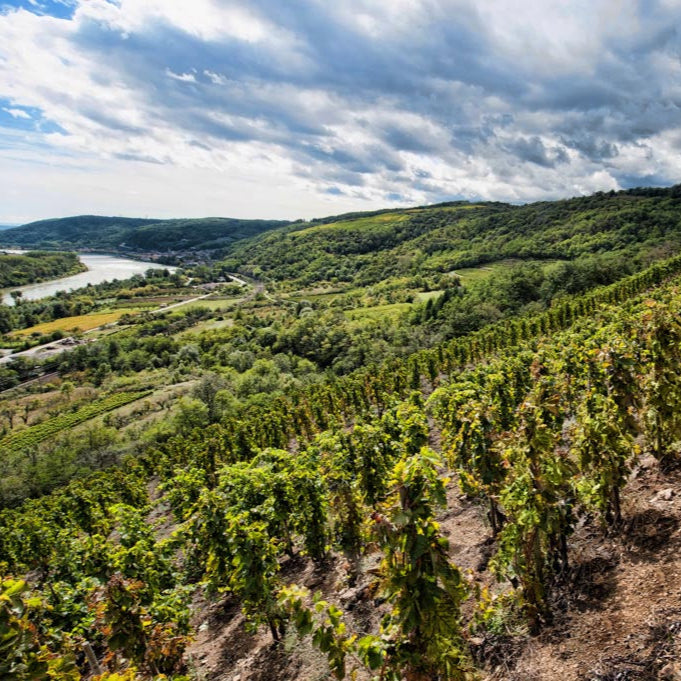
{"points": [[70, 324]]}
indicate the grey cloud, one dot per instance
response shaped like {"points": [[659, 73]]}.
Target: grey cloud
{"points": [[592, 148], [534, 151], [402, 139], [629, 180], [137, 157], [447, 69]]}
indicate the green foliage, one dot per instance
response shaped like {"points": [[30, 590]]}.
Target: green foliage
{"points": [[661, 337], [35, 266], [422, 632], [323, 621], [94, 231], [131, 631], [363, 249], [26, 652], [34, 435], [273, 462], [538, 499], [604, 449]]}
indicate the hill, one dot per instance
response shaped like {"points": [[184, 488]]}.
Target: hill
{"points": [[35, 266], [503, 503], [136, 234], [367, 248], [477, 472], [364, 248]]}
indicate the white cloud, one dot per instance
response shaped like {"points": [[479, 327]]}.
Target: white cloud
{"points": [[422, 98], [182, 77], [18, 113], [206, 19]]}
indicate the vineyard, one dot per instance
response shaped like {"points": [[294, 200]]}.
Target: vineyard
{"points": [[323, 518], [30, 437]]}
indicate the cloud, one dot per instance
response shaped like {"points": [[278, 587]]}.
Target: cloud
{"points": [[182, 77], [533, 150], [17, 113], [358, 102]]}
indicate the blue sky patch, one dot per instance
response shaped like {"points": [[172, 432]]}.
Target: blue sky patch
{"points": [[61, 9]]}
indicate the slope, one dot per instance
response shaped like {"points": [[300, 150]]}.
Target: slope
{"points": [[366, 248], [137, 234], [545, 417]]}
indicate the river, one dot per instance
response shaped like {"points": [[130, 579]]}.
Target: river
{"points": [[99, 268]]}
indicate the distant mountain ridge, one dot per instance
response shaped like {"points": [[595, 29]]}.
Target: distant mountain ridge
{"points": [[134, 234]]}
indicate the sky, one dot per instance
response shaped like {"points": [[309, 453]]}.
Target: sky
{"points": [[304, 108]]}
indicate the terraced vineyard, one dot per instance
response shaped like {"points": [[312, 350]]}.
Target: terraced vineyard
{"points": [[475, 475], [34, 435]]}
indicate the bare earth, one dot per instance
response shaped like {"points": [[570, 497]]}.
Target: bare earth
{"points": [[618, 615]]}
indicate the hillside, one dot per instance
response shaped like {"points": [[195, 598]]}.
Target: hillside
{"points": [[35, 266], [94, 232], [367, 248], [511, 492], [403, 472]]}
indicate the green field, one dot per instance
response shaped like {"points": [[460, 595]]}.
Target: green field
{"points": [[358, 223], [470, 274], [207, 303], [392, 310]]}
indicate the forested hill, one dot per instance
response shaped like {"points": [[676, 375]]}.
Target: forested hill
{"points": [[72, 232], [136, 234], [373, 245], [17, 270], [437, 239]]}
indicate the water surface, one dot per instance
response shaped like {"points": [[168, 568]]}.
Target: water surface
{"points": [[100, 268]]}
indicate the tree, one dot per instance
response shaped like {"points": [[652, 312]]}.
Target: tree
{"points": [[67, 389], [208, 390]]}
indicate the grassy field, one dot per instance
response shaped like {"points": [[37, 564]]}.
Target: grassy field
{"points": [[71, 324], [470, 274], [378, 312], [357, 223], [207, 303], [209, 325], [423, 296]]}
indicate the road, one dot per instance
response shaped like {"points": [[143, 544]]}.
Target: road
{"points": [[233, 277], [69, 343], [48, 349], [182, 302]]}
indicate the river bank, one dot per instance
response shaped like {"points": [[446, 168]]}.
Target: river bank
{"points": [[100, 268]]}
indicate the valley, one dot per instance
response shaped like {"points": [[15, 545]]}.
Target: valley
{"points": [[93, 269], [435, 442]]}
